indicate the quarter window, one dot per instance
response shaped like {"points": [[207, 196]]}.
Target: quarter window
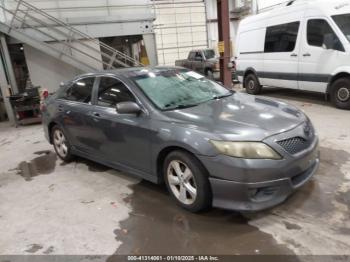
{"points": [[111, 92], [80, 91], [281, 38], [320, 33]]}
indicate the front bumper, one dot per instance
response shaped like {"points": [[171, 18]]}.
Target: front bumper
{"points": [[254, 185], [258, 196]]}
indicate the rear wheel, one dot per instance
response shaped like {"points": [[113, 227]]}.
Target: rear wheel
{"points": [[61, 144], [340, 93], [187, 181], [252, 85]]}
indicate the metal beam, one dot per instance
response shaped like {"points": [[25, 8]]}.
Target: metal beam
{"points": [[224, 37], [150, 44], [5, 93], [8, 64]]}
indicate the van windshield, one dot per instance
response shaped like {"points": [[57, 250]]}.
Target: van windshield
{"points": [[343, 22]]}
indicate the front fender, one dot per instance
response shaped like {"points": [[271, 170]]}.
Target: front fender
{"points": [[339, 70]]}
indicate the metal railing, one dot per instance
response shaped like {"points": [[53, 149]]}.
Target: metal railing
{"points": [[26, 16]]}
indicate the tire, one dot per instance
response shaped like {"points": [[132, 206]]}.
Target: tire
{"points": [[252, 85], [187, 181], [61, 144], [340, 93], [209, 74]]}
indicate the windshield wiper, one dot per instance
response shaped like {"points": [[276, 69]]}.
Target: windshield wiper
{"points": [[181, 106], [222, 96]]}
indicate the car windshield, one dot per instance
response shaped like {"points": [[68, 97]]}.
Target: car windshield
{"points": [[343, 22], [175, 89], [209, 54]]}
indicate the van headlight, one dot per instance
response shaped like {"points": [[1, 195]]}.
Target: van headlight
{"points": [[248, 150]]}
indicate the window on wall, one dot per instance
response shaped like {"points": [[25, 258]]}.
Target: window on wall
{"points": [[281, 38], [80, 91], [320, 33], [111, 92]]}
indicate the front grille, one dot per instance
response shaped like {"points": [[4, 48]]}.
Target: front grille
{"points": [[295, 145]]}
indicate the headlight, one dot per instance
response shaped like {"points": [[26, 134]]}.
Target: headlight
{"points": [[249, 150]]}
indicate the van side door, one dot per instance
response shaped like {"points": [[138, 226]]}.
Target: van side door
{"points": [[281, 55], [320, 53]]}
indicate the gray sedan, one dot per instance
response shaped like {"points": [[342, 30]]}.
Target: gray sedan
{"points": [[211, 146]]}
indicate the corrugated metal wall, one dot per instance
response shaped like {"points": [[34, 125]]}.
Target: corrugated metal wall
{"points": [[180, 26]]}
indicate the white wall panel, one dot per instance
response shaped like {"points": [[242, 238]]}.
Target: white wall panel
{"points": [[180, 27]]}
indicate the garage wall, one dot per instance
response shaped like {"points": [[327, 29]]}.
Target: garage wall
{"points": [[48, 72], [180, 26]]}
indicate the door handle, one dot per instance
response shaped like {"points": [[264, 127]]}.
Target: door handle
{"points": [[307, 54], [293, 55], [60, 108]]}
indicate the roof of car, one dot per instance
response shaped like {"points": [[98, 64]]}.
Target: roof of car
{"points": [[134, 71]]}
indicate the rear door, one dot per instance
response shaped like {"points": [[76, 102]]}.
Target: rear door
{"points": [[120, 138], [320, 53], [74, 104], [281, 55]]}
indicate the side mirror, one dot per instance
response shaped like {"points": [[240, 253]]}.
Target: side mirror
{"points": [[128, 108]]}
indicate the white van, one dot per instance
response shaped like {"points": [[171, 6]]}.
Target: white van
{"points": [[304, 45]]}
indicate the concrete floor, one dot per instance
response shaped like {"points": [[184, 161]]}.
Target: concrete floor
{"points": [[48, 207]]}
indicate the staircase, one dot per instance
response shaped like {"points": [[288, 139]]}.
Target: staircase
{"points": [[30, 25]]}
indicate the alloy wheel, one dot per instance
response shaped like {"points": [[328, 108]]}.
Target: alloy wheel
{"points": [[182, 182], [60, 143]]}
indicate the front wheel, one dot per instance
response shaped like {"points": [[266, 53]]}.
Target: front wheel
{"points": [[252, 85], [61, 144], [340, 93], [187, 181]]}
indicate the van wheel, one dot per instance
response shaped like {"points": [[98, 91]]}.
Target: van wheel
{"points": [[252, 85], [340, 93], [187, 181]]}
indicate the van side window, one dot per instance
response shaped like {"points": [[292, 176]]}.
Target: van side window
{"points": [[281, 38], [320, 33], [79, 91]]}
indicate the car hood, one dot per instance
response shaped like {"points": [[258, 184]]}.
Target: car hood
{"points": [[240, 117]]}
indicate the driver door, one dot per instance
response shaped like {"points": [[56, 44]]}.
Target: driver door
{"points": [[122, 139], [321, 52]]}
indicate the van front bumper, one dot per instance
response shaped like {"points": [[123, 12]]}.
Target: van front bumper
{"points": [[254, 185]]}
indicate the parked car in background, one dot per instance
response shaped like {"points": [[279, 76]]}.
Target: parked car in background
{"points": [[303, 45], [203, 61], [211, 146]]}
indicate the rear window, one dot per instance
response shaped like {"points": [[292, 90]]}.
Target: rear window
{"points": [[281, 38]]}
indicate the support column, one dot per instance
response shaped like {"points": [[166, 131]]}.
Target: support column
{"points": [[224, 41], [5, 92], [8, 64], [151, 48]]}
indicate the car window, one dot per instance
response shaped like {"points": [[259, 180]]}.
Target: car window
{"points": [[320, 33], [198, 56], [111, 91], [281, 38], [171, 89], [192, 55], [343, 22], [80, 90]]}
